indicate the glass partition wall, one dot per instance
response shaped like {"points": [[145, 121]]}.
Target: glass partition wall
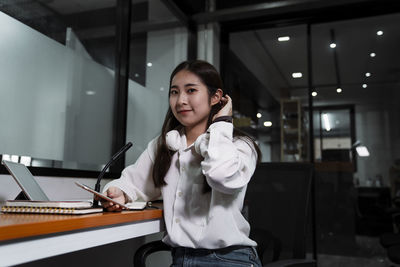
{"points": [[354, 88], [268, 76], [356, 134], [161, 44], [57, 87], [58, 97]]}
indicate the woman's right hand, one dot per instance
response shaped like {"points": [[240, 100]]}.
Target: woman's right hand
{"points": [[226, 109], [116, 194]]}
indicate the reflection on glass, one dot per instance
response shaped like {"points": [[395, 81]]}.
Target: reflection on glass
{"points": [[267, 74], [332, 132], [56, 102], [157, 52]]}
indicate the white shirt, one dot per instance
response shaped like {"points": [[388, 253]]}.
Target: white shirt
{"points": [[195, 219]]}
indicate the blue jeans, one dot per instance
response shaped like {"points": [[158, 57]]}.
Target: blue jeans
{"points": [[235, 256]]}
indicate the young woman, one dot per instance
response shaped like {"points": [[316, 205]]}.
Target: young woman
{"points": [[201, 166]]}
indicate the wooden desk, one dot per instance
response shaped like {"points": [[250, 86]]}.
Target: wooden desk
{"points": [[29, 237]]}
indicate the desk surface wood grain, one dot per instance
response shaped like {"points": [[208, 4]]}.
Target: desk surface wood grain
{"points": [[15, 226]]}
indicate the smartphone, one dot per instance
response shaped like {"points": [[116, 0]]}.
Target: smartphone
{"points": [[100, 195]]}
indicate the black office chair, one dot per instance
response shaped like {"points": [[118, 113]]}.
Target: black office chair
{"points": [[139, 259], [391, 241], [277, 203], [278, 200]]}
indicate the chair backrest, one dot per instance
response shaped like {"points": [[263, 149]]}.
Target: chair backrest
{"points": [[277, 200], [395, 179]]}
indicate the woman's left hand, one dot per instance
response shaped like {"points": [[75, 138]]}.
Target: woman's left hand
{"points": [[226, 109]]}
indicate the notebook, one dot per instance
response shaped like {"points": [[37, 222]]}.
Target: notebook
{"points": [[48, 210], [38, 201]]}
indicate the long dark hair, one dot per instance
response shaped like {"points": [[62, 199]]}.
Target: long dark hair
{"points": [[211, 78]]}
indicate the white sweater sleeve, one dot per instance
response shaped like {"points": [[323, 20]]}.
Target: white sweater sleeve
{"points": [[136, 180], [228, 163]]}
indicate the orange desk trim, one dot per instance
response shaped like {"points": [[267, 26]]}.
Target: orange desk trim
{"points": [[15, 226]]}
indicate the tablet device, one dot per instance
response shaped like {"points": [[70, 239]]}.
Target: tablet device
{"points": [[87, 188], [25, 180]]}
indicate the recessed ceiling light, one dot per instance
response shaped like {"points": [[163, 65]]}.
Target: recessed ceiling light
{"points": [[372, 54], [314, 93], [364, 85], [259, 115], [339, 90], [149, 64], [297, 75], [367, 74], [379, 33], [283, 38], [332, 45], [267, 123]]}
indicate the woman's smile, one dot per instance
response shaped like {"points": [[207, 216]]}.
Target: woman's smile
{"points": [[184, 111]]}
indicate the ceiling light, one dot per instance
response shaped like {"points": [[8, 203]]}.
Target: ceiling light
{"points": [[364, 85], [372, 54], [267, 123], [332, 45], [149, 64], [379, 33], [259, 115], [327, 124], [297, 75], [367, 74], [283, 38], [339, 90], [314, 93]]}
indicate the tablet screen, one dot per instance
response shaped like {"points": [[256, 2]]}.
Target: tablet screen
{"points": [[25, 180]]}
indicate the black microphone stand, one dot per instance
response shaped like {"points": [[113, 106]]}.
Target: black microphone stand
{"points": [[113, 159]]}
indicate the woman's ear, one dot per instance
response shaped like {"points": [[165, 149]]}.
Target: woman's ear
{"points": [[216, 98]]}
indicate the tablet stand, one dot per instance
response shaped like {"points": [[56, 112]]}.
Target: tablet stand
{"points": [[22, 196]]}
